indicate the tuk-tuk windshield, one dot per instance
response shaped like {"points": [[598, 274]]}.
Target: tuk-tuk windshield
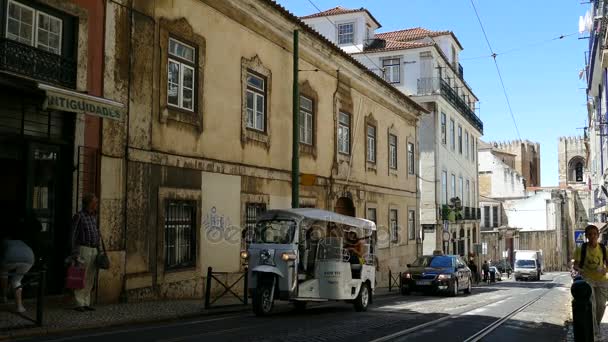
{"points": [[274, 231]]}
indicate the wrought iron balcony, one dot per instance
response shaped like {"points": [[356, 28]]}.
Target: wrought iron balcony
{"points": [[37, 64], [437, 86]]}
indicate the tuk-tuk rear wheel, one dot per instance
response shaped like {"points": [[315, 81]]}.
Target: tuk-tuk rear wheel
{"points": [[363, 299]]}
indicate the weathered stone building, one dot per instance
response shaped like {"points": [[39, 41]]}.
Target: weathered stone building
{"points": [[207, 141]]}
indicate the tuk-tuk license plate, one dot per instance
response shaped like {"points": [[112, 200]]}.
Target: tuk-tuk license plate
{"points": [[423, 282]]}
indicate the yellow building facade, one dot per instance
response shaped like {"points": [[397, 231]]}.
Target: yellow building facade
{"points": [[207, 141]]}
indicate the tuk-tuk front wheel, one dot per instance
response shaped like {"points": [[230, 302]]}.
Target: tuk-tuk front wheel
{"points": [[363, 299], [263, 300]]}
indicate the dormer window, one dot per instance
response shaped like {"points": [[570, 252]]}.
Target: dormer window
{"points": [[346, 33]]}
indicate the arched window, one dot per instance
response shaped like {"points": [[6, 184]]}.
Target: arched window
{"points": [[576, 169], [579, 172]]}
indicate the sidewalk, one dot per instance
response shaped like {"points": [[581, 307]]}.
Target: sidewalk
{"points": [[60, 317]]}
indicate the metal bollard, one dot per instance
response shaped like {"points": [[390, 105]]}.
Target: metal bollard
{"points": [[390, 280], [246, 285], [208, 287], [40, 299], [582, 318]]}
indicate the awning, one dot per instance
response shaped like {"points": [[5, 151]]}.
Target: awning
{"points": [[599, 225], [73, 101], [599, 210]]}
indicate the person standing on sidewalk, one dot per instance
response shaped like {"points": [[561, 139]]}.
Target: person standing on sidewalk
{"points": [[85, 244], [16, 259], [590, 261]]}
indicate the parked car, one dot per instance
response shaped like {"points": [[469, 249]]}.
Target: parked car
{"points": [[497, 273], [437, 273]]}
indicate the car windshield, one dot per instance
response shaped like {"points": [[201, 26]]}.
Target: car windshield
{"points": [[274, 231], [525, 263], [432, 261], [441, 261]]}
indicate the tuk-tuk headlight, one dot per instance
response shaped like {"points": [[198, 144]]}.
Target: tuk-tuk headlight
{"points": [[408, 276], [288, 256], [444, 276], [244, 255]]}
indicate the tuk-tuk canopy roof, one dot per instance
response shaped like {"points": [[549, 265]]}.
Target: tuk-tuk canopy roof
{"points": [[321, 215]]}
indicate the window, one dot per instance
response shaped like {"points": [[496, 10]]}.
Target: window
{"points": [[466, 145], [444, 187], [474, 202], [392, 151], [486, 216], [256, 102], [473, 151], [180, 87], [512, 181], [346, 33], [459, 139], [394, 225], [180, 234], [453, 193], [495, 216], [252, 211], [467, 194], [371, 144], [344, 133], [371, 215], [411, 224], [306, 120], [32, 27], [506, 175], [410, 158], [460, 188], [443, 129], [452, 137], [392, 70]]}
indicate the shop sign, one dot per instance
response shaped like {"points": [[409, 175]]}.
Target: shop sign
{"points": [[71, 101]]}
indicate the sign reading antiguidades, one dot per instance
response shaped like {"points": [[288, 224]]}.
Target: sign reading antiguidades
{"points": [[74, 103]]}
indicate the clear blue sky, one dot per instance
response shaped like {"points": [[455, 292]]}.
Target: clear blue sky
{"points": [[541, 80]]}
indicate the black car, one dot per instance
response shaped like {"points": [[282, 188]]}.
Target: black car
{"points": [[443, 273]]}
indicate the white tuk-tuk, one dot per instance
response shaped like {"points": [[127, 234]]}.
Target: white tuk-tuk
{"points": [[310, 255]]}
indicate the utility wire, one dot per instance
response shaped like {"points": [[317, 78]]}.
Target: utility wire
{"points": [[523, 47], [334, 24], [493, 55]]}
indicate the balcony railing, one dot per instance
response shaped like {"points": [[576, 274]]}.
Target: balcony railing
{"points": [[35, 63], [436, 85]]}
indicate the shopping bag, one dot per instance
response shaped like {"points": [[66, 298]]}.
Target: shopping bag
{"points": [[75, 277]]}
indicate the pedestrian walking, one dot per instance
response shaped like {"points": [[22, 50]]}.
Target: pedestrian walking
{"points": [[486, 271], [85, 245], [473, 268], [17, 259], [590, 262]]}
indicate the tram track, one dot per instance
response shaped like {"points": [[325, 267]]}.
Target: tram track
{"points": [[479, 334]]}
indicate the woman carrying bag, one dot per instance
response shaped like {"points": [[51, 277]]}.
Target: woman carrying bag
{"points": [[86, 253]]}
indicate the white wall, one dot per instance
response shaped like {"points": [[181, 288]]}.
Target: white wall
{"points": [[489, 162], [536, 212]]}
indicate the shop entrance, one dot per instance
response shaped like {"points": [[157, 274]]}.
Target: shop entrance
{"points": [[36, 172]]}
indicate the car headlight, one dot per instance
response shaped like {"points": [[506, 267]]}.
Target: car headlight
{"points": [[244, 255], [288, 256], [444, 276]]}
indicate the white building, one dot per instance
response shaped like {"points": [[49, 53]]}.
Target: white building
{"points": [[498, 178], [424, 65]]}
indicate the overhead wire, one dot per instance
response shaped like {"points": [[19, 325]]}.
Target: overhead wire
{"points": [[522, 47], [493, 55]]}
